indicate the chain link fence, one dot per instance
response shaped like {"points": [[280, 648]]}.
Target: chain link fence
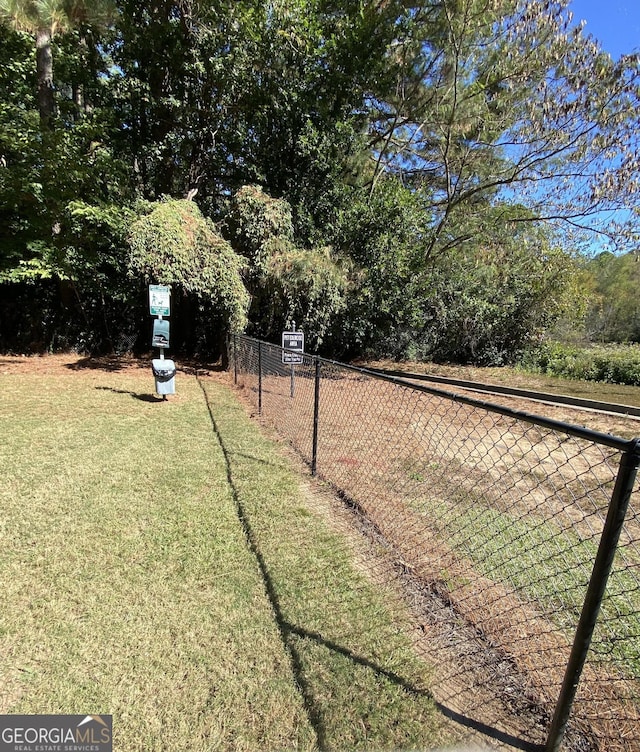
{"points": [[510, 524]]}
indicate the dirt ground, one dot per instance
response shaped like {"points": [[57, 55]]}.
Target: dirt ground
{"points": [[67, 363]]}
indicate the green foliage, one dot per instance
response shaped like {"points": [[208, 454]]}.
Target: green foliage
{"points": [[509, 100], [483, 301], [495, 295], [23, 237], [381, 233], [613, 313], [94, 241], [318, 63], [614, 364], [287, 283], [307, 287], [97, 306], [416, 142], [175, 245], [255, 223], [61, 257], [45, 172]]}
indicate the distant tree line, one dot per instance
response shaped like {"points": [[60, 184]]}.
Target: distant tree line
{"points": [[612, 286], [402, 178]]}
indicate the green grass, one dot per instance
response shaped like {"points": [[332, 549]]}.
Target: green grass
{"points": [[160, 564], [552, 567]]}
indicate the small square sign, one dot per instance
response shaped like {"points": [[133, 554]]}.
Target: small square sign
{"points": [[293, 341], [159, 300]]}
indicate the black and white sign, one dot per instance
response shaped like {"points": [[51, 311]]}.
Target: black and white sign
{"points": [[293, 341]]}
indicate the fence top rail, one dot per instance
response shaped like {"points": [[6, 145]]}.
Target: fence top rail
{"points": [[627, 446]]}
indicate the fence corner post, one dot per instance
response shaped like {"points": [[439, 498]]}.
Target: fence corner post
{"points": [[316, 412]]}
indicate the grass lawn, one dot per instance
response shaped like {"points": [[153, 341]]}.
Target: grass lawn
{"points": [[160, 563]]}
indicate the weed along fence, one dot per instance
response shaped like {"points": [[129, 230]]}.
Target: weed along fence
{"points": [[525, 529]]}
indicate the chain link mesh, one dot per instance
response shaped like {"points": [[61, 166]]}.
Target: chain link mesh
{"points": [[499, 520]]}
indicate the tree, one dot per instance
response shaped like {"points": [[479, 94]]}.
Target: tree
{"points": [[45, 168], [43, 19], [494, 298], [40, 19], [219, 95], [382, 236], [484, 300], [408, 142], [506, 100], [613, 313], [258, 225], [287, 282]]}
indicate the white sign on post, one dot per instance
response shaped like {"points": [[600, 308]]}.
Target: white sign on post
{"points": [[293, 341], [159, 300]]}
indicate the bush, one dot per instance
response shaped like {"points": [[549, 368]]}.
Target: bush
{"points": [[614, 364], [287, 283], [175, 245]]}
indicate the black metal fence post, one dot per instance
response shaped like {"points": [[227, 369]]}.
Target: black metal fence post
{"points": [[235, 358], [259, 378], [595, 592], [316, 411]]}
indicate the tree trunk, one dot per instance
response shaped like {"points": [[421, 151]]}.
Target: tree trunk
{"points": [[44, 67]]}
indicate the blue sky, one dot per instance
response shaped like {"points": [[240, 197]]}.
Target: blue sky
{"points": [[615, 23]]}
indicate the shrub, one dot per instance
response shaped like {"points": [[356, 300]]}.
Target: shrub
{"points": [[175, 245], [614, 364]]}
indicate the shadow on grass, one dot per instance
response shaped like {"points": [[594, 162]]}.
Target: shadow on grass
{"points": [[310, 705], [109, 363], [288, 631], [115, 363], [489, 731], [458, 718], [135, 395]]}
